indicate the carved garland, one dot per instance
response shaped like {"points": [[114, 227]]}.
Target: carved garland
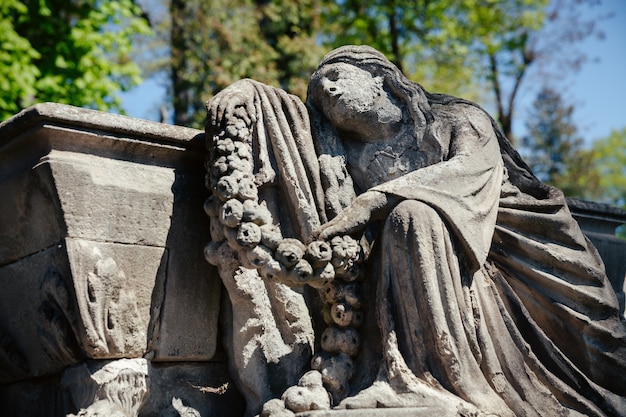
{"points": [[239, 223]]}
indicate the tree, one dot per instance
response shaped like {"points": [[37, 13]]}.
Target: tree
{"points": [[546, 40], [216, 43], [506, 38], [610, 161], [554, 149], [75, 52]]}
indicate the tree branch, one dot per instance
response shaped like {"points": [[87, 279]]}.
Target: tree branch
{"points": [[502, 117], [393, 31]]}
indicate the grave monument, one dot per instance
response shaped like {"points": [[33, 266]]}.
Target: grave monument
{"points": [[378, 250]]}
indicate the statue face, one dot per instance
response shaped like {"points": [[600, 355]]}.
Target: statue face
{"points": [[348, 89], [355, 101]]}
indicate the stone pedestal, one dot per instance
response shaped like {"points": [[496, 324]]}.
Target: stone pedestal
{"points": [[101, 259]]}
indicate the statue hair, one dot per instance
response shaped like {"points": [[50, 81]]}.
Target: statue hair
{"points": [[418, 102]]}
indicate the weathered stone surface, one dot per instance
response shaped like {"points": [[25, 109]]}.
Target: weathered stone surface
{"points": [[206, 387], [441, 411], [132, 387], [117, 388], [309, 394], [38, 316], [187, 308], [113, 284], [269, 329], [111, 200], [115, 206], [31, 219]]}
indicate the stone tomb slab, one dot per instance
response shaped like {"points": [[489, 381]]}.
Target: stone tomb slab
{"points": [[97, 258]]}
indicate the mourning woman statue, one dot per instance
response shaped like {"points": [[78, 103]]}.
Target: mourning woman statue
{"points": [[479, 286]]}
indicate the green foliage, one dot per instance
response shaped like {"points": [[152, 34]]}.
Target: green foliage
{"points": [[18, 72], [554, 149], [290, 28], [216, 43], [610, 161], [75, 52]]}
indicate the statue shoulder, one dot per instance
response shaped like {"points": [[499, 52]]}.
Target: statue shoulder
{"points": [[464, 116]]}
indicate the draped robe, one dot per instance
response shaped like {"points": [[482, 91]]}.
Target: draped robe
{"points": [[488, 287]]}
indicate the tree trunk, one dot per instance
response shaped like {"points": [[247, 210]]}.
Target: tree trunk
{"points": [[393, 31], [178, 63]]}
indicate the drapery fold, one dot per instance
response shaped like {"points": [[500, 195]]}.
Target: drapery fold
{"points": [[489, 289], [284, 148]]}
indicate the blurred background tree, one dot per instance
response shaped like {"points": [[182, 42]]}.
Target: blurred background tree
{"points": [[554, 149], [483, 50], [609, 155], [610, 161], [215, 43], [76, 52]]}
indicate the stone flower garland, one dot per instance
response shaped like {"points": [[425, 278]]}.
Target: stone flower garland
{"points": [[239, 223]]}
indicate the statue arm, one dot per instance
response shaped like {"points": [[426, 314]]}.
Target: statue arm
{"points": [[369, 206], [473, 151], [464, 189]]}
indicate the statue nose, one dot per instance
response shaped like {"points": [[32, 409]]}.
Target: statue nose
{"points": [[331, 87]]}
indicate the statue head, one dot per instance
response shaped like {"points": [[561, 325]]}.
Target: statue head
{"points": [[417, 102], [369, 70], [369, 74]]}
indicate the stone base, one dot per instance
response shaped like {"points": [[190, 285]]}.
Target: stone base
{"points": [[387, 412], [133, 387]]}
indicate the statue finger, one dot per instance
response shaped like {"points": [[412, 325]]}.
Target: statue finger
{"points": [[214, 110], [329, 232]]}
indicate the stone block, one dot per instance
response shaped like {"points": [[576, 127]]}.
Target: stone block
{"points": [[79, 298], [113, 284], [131, 386], [112, 200], [103, 237], [30, 214], [187, 310], [38, 319]]}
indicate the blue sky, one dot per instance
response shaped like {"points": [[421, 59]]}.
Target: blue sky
{"points": [[598, 90]]}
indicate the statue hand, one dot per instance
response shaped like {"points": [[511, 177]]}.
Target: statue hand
{"points": [[235, 101], [371, 205]]}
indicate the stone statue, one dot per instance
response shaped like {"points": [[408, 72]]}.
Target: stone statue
{"points": [[446, 274]]}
